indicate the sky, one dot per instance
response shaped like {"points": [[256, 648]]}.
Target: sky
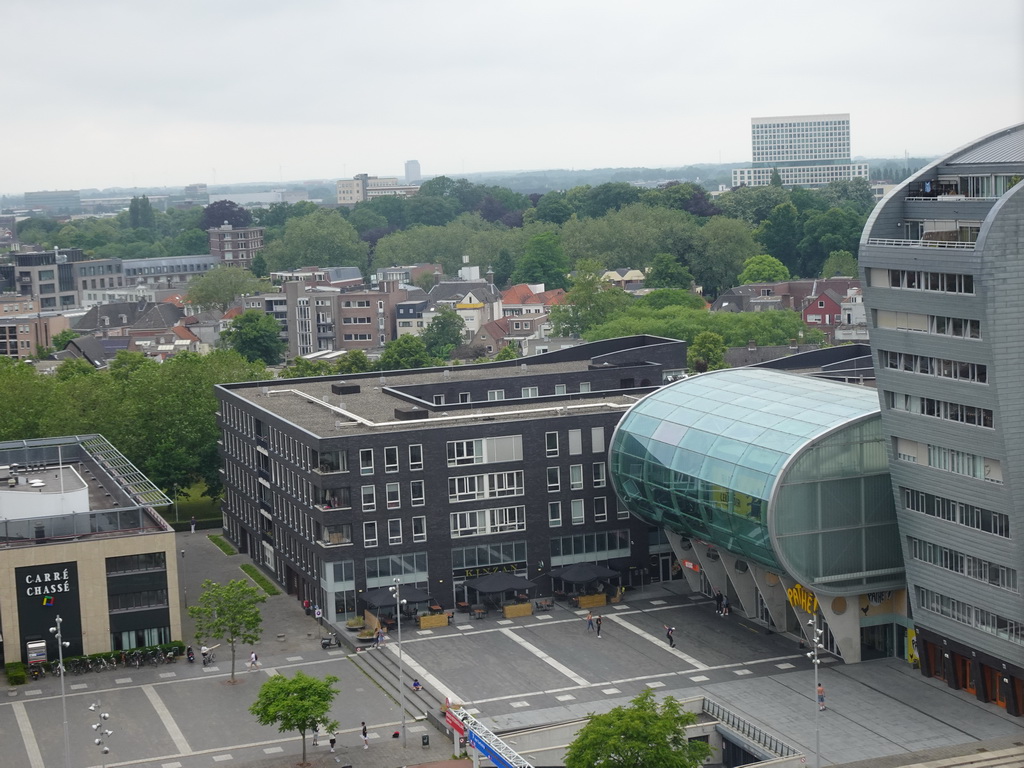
{"points": [[110, 93]]}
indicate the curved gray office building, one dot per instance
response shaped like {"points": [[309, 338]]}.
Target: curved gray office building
{"points": [[776, 490], [942, 262]]}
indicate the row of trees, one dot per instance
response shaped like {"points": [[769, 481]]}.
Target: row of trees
{"points": [[162, 417]]}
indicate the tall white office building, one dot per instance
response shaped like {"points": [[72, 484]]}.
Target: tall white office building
{"points": [[806, 150], [412, 171]]}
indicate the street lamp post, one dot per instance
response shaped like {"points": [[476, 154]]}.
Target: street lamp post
{"points": [[184, 583], [813, 656], [61, 645], [399, 602]]}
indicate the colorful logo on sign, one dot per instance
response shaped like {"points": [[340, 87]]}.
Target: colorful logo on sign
{"points": [[47, 600], [802, 598]]}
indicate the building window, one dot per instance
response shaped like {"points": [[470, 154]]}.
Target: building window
{"points": [[597, 439], [394, 495], [551, 443], [576, 477], [464, 397], [600, 474], [584, 386], [492, 485], [554, 482], [419, 529], [415, 457], [395, 531], [465, 452], [554, 514], [438, 399], [369, 496], [366, 461], [496, 394], [369, 534], [530, 391], [578, 518], [391, 459], [417, 497], [482, 522], [600, 509], [559, 389], [575, 442]]}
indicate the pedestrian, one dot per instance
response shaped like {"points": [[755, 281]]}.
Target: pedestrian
{"points": [[718, 602], [380, 639], [316, 734], [366, 738], [333, 739], [590, 621], [821, 697], [725, 606], [254, 661], [193, 523], [668, 635], [597, 625]]}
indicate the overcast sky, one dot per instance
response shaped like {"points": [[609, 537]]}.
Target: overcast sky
{"points": [[110, 93]]}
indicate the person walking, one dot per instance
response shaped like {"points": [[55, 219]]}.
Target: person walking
{"points": [[254, 661], [718, 602], [597, 625], [821, 697], [725, 606], [316, 734], [333, 739], [590, 621], [668, 635], [193, 523], [366, 738]]}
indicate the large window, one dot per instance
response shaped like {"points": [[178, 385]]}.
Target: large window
{"points": [[940, 409], [491, 485], [551, 443], [489, 555], [395, 531], [575, 442], [485, 450], [576, 477], [589, 547], [366, 461], [391, 459], [600, 474], [369, 496], [933, 366], [487, 521], [369, 534], [419, 529], [394, 495], [578, 515], [600, 509], [416, 456], [554, 514], [554, 481], [151, 561], [409, 567], [957, 512], [417, 497]]}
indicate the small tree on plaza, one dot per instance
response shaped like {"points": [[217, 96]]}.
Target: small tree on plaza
{"points": [[641, 735], [300, 703], [229, 612]]}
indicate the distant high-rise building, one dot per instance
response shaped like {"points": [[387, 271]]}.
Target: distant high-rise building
{"points": [[412, 171], [363, 187], [806, 150], [235, 246]]}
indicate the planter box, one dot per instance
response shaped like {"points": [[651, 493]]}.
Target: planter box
{"points": [[515, 611], [592, 601], [432, 622]]}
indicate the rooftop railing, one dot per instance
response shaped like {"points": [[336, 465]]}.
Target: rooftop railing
{"points": [[901, 243]]}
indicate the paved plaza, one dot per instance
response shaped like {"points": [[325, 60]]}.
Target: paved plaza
{"points": [[529, 671]]}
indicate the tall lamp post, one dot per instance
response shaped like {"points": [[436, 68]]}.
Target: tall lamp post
{"points": [[399, 602], [813, 656], [101, 733], [61, 645]]}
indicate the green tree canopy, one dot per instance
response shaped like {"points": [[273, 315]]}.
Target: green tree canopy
{"points": [[763, 269], [671, 297], [641, 735], [543, 262], [221, 211], [140, 213], [706, 352], [729, 243], [405, 352], [229, 612], [443, 333], [590, 301], [298, 704], [255, 335], [509, 352], [218, 288], [837, 229], [667, 272], [838, 263], [321, 239], [781, 232], [64, 338]]}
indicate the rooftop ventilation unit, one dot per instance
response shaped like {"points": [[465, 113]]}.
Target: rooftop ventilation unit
{"points": [[410, 414], [341, 388]]}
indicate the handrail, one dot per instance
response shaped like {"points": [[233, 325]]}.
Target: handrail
{"points": [[901, 243], [950, 199], [751, 731]]}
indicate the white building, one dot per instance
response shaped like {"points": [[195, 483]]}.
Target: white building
{"points": [[806, 150]]}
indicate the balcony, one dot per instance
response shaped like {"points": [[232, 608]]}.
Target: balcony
{"points": [[901, 243]]}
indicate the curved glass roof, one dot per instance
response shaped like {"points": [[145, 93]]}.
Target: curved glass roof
{"points": [[738, 427]]}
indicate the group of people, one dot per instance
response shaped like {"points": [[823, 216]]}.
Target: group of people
{"points": [[332, 738], [594, 623]]}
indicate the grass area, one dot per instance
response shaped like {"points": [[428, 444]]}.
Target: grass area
{"points": [[192, 502], [261, 581], [222, 544]]}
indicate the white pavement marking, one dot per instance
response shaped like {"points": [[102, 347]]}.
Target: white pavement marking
{"points": [[123, 680], [519, 704], [621, 608], [166, 675], [504, 622], [33, 693], [785, 666], [273, 750], [293, 658], [657, 602], [463, 626], [742, 672], [544, 657], [222, 758], [544, 617], [610, 691], [424, 631], [170, 765], [78, 686], [565, 697], [700, 678], [35, 758], [656, 684], [648, 636], [165, 717]]}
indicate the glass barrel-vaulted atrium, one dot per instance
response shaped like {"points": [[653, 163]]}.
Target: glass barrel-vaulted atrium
{"points": [[783, 471]]}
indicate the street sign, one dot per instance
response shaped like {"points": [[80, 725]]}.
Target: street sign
{"points": [[319, 612], [453, 721]]}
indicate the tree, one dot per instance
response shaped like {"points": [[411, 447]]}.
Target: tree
{"points": [[544, 262], [554, 208], [610, 196], [255, 335], [509, 352], [229, 612], [302, 367], [443, 333], [258, 265], [405, 352], [62, 339], [637, 736], [730, 242], [837, 229], [763, 269], [590, 301], [706, 352], [219, 212], [354, 361], [218, 288], [780, 234], [300, 704], [140, 213], [842, 263], [321, 239], [671, 297], [667, 272]]}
